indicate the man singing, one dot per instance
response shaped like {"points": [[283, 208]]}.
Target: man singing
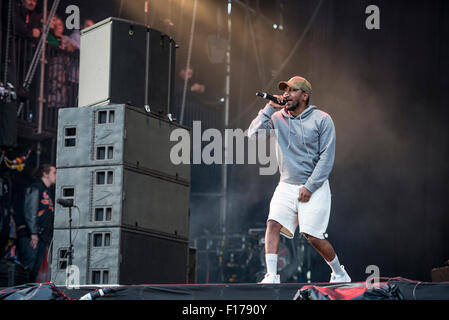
{"points": [[305, 153]]}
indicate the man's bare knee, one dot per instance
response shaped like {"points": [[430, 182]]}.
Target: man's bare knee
{"points": [[312, 240]]}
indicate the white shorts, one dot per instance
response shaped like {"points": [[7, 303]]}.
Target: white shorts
{"points": [[312, 216]]}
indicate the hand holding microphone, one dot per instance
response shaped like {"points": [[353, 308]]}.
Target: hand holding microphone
{"points": [[279, 104], [276, 101]]}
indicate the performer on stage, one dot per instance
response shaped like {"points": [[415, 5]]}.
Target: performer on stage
{"points": [[305, 153]]}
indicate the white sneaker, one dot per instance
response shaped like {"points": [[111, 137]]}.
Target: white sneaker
{"points": [[340, 278], [271, 278]]}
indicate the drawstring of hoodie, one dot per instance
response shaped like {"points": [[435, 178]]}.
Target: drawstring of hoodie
{"points": [[303, 136], [289, 121]]}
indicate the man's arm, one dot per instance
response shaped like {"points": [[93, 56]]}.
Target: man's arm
{"points": [[324, 165], [36, 24], [31, 206], [262, 122]]}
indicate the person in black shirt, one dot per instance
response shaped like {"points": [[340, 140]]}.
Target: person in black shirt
{"points": [[23, 23], [36, 234], [195, 93], [26, 22]]}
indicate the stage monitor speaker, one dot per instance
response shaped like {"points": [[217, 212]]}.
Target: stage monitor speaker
{"points": [[8, 124], [122, 62]]}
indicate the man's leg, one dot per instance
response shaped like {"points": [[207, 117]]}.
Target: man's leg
{"points": [[25, 251], [26, 254], [325, 249], [282, 218], [272, 237], [39, 257], [322, 246]]}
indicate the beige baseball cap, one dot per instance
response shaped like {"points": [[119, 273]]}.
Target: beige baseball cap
{"points": [[299, 83]]}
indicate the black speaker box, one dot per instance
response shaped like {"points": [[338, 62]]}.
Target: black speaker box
{"points": [[122, 62], [152, 259]]}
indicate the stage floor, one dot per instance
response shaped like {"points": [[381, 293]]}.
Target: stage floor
{"points": [[387, 289]]}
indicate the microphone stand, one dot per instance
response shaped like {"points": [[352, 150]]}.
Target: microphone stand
{"points": [[70, 253], [69, 204]]}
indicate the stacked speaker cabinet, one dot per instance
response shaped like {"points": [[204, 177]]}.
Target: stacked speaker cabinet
{"points": [[122, 62], [131, 220]]}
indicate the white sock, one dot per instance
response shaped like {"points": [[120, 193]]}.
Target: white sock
{"points": [[272, 262], [335, 266]]}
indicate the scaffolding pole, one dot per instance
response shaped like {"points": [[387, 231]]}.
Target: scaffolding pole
{"points": [[189, 56], [226, 123]]}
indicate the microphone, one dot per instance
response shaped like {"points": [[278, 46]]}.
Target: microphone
{"points": [[270, 97], [65, 202]]}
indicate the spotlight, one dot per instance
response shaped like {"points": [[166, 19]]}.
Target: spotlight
{"points": [[281, 27], [275, 26]]}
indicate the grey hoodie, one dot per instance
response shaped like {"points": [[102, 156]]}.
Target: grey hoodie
{"points": [[305, 148]]}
